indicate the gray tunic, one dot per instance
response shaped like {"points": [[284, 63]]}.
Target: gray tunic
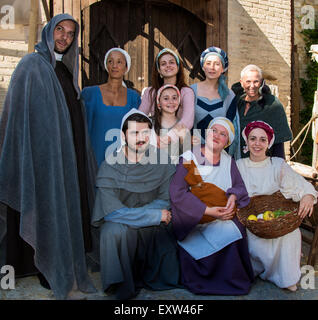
{"points": [[133, 257]]}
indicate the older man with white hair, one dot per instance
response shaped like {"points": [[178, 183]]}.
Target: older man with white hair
{"points": [[257, 103]]}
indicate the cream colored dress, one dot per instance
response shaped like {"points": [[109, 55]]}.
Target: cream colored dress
{"points": [[276, 260]]}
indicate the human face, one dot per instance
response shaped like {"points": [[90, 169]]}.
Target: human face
{"points": [[217, 137], [257, 143], [63, 35], [169, 101], [213, 67], [251, 83], [137, 136], [116, 64], [168, 66]]}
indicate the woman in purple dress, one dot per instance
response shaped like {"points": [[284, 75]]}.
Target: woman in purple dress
{"points": [[205, 192]]}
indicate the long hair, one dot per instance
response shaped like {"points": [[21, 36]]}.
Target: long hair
{"points": [[157, 81], [157, 119]]}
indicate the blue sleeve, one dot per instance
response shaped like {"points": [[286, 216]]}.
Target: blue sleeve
{"points": [[138, 101], [86, 97], [148, 215], [134, 98]]}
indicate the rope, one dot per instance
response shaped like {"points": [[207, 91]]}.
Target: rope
{"points": [[313, 118]]}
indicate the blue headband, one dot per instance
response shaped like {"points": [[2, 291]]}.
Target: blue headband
{"points": [[166, 50]]}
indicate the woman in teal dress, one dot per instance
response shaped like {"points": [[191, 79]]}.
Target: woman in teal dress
{"points": [[107, 104]]}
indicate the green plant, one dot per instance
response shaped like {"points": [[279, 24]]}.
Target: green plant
{"points": [[308, 88]]}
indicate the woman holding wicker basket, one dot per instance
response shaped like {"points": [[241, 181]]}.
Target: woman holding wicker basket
{"points": [[277, 259]]}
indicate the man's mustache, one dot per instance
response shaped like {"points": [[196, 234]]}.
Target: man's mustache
{"points": [[140, 142]]}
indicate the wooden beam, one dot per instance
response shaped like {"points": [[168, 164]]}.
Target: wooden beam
{"points": [[211, 20], [77, 11], [315, 135], [58, 6], [68, 7], [33, 24], [46, 10], [77, 16], [304, 170], [201, 8], [223, 25], [87, 3]]}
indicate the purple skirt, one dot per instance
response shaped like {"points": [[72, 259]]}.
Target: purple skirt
{"points": [[226, 272]]}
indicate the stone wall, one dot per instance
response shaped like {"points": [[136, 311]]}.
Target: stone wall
{"points": [[259, 32], [14, 41], [10, 54]]}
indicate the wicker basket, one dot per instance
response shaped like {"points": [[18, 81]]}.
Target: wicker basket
{"points": [[272, 228]]}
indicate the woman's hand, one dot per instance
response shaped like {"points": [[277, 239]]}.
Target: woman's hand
{"points": [[306, 206], [230, 205], [220, 213], [166, 216]]}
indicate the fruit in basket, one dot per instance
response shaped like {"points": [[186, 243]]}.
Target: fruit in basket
{"points": [[260, 216], [268, 215], [252, 217]]}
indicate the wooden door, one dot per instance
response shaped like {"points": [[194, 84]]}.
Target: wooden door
{"points": [[142, 28]]}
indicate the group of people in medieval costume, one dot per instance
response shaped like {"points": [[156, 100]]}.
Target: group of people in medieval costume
{"points": [[144, 186]]}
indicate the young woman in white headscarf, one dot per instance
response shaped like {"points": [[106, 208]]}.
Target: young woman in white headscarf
{"points": [[106, 104]]}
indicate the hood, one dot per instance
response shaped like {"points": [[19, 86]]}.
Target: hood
{"points": [[46, 47]]}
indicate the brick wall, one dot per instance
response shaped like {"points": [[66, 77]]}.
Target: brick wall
{"points": [[259, 32]]}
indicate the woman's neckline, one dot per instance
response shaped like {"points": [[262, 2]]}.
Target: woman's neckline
{"points": [[108, 105]]}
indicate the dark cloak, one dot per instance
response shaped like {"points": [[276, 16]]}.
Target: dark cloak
{"points": [[38, 172], [267, 108], [78, 122]]}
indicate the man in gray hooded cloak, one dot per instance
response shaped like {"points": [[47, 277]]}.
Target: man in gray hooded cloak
{"points": [[137, 246], [47, 168]]}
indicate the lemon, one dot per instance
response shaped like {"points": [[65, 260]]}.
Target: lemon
{"points": [[268, 215], [252, 217]]}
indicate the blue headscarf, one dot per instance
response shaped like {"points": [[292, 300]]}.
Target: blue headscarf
{"points": [[217, 52], [222, 89]]}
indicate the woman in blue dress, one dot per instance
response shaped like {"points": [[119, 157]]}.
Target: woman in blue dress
{"points": [[107, 104], [212, 96]]}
